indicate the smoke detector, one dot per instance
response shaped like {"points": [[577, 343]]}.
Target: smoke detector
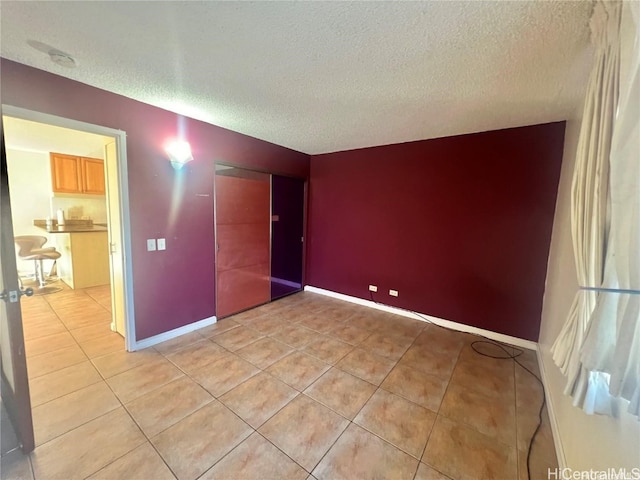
{"points": [[57, 56], [62, 59]]}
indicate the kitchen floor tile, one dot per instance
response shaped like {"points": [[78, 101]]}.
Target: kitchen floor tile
{"points": [[298, 370], [427, 360], [461, 452], [385, 346], [304, 430], [366, 365], [349, 334], [197, 442], [317, 322], [224, 374], [219, 327], [341, 392], [99, 346], [264, 352], [61, 382], [398, 421], [165, 406], [91, 331], [49, 343], [195, 434], [359, 454], [493, 416], [136, 382], [237, 338], [328, 349], [196, 355], [425, 472], [178, 343], [118, 362], [141, 463], [259, 398], [65, 413], [419, 387], [56, 360], [97, 443], [296, 335], [46, 327], [253, 459]]}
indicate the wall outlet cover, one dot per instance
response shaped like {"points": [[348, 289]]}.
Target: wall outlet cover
{"points": [[393, 293], [162, 244], [373, 288], [151, 244]]}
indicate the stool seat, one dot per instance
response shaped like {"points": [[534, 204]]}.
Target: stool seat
{"points": [[30, 248]]}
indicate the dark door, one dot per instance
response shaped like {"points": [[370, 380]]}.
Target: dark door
{"points": [[15, 385], [242, 234], [287, 231]]}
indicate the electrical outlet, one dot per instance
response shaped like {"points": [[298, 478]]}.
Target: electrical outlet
{"points": [[373, 288], [151, 244], [162, 244], [393, 293]]}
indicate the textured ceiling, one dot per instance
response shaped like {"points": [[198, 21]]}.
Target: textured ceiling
{"points": [[322, 76]]}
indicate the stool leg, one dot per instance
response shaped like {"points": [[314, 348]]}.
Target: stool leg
{"points": [[41, 273]]}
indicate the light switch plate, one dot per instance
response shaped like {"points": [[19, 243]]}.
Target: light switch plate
{"points": [[151, 244], [162, 245]]}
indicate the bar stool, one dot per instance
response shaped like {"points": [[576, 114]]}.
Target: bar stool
{"points": [[30, 248]]}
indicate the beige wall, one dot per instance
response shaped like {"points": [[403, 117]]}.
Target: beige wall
{"points": [[588, 441]]}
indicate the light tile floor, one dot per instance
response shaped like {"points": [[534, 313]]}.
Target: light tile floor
{"points": [[305, 385]]}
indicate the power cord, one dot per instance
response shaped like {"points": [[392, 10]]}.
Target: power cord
{"points": [[508, 356]]}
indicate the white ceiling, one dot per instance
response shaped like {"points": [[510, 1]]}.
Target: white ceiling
{"points": [[322, 76]]}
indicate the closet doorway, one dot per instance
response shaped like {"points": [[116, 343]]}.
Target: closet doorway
{"points": [[259, 237]]}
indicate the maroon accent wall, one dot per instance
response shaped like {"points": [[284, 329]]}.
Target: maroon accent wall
{"points": [[460, 226], [177, 286]]}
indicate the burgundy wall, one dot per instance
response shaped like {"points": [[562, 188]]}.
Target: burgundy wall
{"points": [[177, 286], [460, 226]]}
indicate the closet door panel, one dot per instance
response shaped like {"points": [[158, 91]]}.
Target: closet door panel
{"points": [[243, 209]]}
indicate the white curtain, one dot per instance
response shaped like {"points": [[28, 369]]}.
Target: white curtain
{"points": [[590, 186], [599, 347], [612, 343]]}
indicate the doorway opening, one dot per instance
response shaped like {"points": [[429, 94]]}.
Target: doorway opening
{"points": [[90, 279]]}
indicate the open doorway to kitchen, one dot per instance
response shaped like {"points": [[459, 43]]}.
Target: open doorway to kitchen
{"points": [[68, 183]]}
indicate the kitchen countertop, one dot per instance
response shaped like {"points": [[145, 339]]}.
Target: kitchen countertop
{"points": [[74, 228]]}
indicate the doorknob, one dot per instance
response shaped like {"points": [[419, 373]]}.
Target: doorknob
{"points": [[13, 295]]}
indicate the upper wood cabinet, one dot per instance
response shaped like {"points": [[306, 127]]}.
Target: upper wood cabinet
{"points": [[73, 174], [92, 176]]}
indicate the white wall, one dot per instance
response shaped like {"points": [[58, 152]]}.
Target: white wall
{"points": [[588, 441], [30, 187]]}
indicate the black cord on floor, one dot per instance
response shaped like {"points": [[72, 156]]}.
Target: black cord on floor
{"points": [[508, 356]]}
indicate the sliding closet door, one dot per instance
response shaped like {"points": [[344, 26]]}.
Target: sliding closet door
{"points": [[287, 223], [243, 223]]}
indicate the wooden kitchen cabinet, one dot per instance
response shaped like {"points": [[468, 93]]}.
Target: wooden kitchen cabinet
{"points": [[84, 259], [92, 176], [73, 174]]}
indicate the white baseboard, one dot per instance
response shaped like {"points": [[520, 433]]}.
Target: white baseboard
{"points": [[176, 332], [499, 337], [553, 419]]}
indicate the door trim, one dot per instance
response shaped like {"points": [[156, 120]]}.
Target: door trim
{"points": [[120, 137]]}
